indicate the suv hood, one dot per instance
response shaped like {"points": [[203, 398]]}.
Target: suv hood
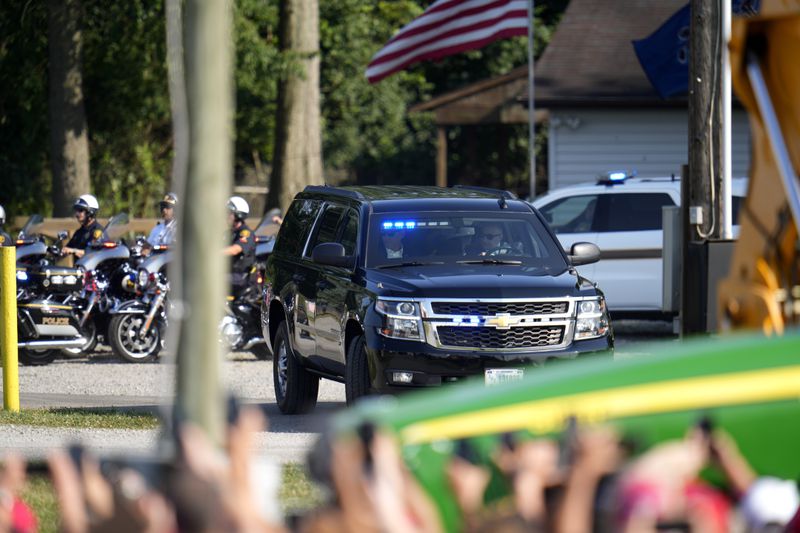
{"points": [[478, 281]]}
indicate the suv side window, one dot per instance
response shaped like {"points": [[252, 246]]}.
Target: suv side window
{"points": [[327, 227], [349, 236], [574, 214], [635, 211], [296, 225]]}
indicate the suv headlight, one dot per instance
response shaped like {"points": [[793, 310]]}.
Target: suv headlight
{"points": [[401, 320], [591, 319]]}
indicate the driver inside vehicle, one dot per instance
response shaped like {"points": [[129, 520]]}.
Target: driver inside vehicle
{"points": [[488, 240], [393, 243]]}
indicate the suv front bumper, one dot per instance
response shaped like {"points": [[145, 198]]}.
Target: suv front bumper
{"points": [[431, 366]]}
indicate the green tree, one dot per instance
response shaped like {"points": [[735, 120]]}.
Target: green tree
{"points": [[24, 160], [366, 130], [367, 134], [127, 103]]}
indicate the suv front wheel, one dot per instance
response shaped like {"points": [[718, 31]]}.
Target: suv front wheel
{"points": [[295, 387], [356, 378]]}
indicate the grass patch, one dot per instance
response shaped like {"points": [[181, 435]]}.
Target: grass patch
{"points": [[297, 494], [39, 495], [80, 419]]}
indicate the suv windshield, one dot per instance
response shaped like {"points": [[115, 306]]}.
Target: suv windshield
{"points": [[458, 237]]}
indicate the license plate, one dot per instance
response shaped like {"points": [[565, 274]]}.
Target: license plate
{"points": [[496, 376]]}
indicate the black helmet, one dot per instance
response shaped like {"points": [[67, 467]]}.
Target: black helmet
{"points": [[170, 200], [88, 203]]}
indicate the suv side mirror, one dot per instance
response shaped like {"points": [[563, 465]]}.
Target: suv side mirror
{"points": [[331, 254], [584, 253]]}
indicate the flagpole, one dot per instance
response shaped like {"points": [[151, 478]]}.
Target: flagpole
{"points": [[531, 105]]}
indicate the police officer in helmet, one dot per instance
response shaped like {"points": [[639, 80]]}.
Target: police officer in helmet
{"points": [[85, 208], [5, 238], [243, 243]]}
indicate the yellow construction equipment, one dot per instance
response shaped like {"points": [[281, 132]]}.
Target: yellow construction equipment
{"points": [[762, 290]]}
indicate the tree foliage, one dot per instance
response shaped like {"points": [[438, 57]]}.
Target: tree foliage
{"points": [[368, 135]]}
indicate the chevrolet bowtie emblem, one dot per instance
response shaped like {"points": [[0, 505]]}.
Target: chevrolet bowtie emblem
{"points": [[501, 321]]}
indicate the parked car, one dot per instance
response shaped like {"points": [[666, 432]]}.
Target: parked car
{"points": [[391, 288], [623, 217]]}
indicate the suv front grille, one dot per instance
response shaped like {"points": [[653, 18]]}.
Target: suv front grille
{"points": [[494, 339], [493, 308]]}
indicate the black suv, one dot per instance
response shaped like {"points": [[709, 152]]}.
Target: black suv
{"points": [[390, 288]]}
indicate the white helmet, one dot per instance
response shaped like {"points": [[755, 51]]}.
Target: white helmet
{"points": [[87, 202], [238, 206], [2, 215]]}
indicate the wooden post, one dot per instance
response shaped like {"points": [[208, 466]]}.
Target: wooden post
{"points": [[202, 276], [441, 157]]}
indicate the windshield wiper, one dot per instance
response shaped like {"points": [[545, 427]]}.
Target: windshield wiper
{"points": [[412, 264], [490, 262]]}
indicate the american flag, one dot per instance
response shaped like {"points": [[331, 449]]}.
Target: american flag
{"points": [[449, 27]]}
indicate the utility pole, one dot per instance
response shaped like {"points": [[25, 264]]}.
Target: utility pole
{"points": [[701, 217], [201, 273]]}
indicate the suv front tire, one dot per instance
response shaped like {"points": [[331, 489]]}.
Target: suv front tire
{"points": [[296, 388], [356, 382]]}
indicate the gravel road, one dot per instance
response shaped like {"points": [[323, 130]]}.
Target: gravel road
{"points": [[103, 381]]}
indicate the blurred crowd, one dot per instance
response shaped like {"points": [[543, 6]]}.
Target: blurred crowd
{"points": [[591, 481]]}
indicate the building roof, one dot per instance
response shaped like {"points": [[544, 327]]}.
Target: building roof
{"points": [[501, 99], [590, 59]]}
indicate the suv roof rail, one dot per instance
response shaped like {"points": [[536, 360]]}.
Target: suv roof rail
{"points": [[508, 195], [338, 191]]}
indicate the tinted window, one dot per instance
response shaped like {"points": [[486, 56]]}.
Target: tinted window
{"points": [[350, 233], [296, 225], [635, 211], [327, 227], [454, 237], [571, 215]]}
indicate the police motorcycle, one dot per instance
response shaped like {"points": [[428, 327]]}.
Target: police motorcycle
{"points": [[31, 246], [106, 266], [138, 325], [240, 329], [48, 319], [265, 234]]}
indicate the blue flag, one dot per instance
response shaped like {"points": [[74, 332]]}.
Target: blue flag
{"points": [[664, 55]]}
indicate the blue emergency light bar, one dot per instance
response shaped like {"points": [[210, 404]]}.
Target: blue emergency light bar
{"points": [[399, 224], [615, 177]]}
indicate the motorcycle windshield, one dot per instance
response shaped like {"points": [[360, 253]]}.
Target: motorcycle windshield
{"points": [[267, 228], [116, 227], [31, 227]]}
